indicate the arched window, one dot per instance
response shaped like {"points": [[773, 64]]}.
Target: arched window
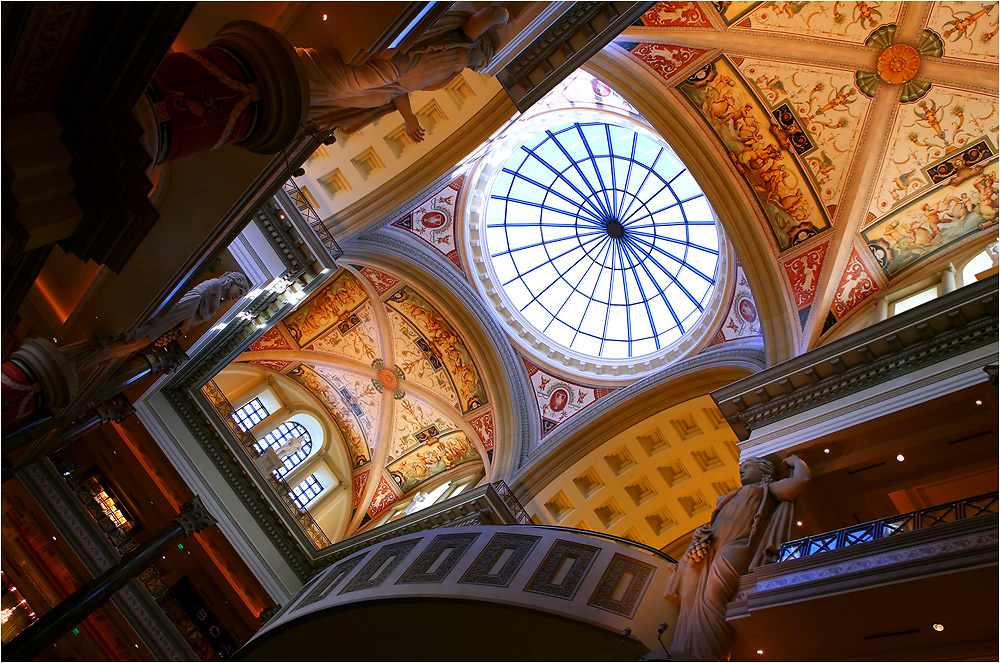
{"points": [[291, 441]]}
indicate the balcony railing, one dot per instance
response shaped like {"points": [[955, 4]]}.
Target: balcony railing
{"points": [[880, 529], [508, 497], [281, 488], [312, 218]]}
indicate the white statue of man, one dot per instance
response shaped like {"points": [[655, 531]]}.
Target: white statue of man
{"points": [[417, 503], [290, 448]]}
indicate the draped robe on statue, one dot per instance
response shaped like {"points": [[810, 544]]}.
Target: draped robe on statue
{"points": [[351, 97], [748, 528]]}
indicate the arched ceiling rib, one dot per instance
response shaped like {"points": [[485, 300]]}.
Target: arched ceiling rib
{"points": [[395, 376]]}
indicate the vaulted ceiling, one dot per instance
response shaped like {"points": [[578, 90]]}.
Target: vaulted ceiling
{"points": [[849, 149], [864, 134], [395, 376]]}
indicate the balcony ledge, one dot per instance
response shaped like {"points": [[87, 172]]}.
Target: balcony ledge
{"points": [[946, 548]]}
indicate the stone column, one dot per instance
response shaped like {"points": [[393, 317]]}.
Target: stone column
{"points": [[46, 376], [117, 409], [246, 88], [75, 608], [948, 283], [37, 375]]}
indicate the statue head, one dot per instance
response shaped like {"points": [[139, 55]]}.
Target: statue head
{"points": [[234, 285], [755, 470]]}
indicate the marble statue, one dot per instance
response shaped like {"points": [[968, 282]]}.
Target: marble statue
{"points": [[417, 503], [351, 97], [747, 529], [290, 448], [200, 304]]}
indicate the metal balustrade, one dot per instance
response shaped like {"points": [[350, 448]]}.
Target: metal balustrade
{"points": [[312, 218], [880, 529], [508, 497], [123, 543], [248, 442]]}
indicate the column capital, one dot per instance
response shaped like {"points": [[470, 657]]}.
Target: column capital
{"points": [[194, 517]]}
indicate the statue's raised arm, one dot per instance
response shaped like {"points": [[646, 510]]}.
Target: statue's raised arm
{"points": [[747, 529], [352, 97]]}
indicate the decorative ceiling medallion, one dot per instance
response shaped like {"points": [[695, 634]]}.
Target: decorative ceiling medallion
{"points": [[898, 64], [388, 379]]}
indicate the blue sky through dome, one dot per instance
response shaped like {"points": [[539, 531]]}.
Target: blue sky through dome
{"points": [[602, 240]]}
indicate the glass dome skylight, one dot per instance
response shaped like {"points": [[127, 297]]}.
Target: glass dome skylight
{"points": [[600, 239]]}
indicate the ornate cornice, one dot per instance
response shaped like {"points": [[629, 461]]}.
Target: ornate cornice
{"points": [[949, 326], [277, 233], [540, 66]]}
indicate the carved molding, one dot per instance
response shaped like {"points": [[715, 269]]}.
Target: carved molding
{"points": [[263, 512], [947, 327], [551, 57], [944, 548]]}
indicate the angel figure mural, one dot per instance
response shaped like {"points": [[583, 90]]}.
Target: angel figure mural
{"points": [[352, 97], [747, 529]]}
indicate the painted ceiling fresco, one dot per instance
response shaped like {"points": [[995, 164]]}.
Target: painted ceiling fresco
{"points": [[847, 22], [558, 399], [903, 169], [434, 221], [742, 320], [368, 342]]}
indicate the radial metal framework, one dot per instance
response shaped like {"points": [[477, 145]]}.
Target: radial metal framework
{"points": [[602, 240]]}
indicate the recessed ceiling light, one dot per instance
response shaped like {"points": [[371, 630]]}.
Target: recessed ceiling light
{"points": [[826, 451], [938, 627], [760, 652], [799, 523], [979, 402], [900, 457]]}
